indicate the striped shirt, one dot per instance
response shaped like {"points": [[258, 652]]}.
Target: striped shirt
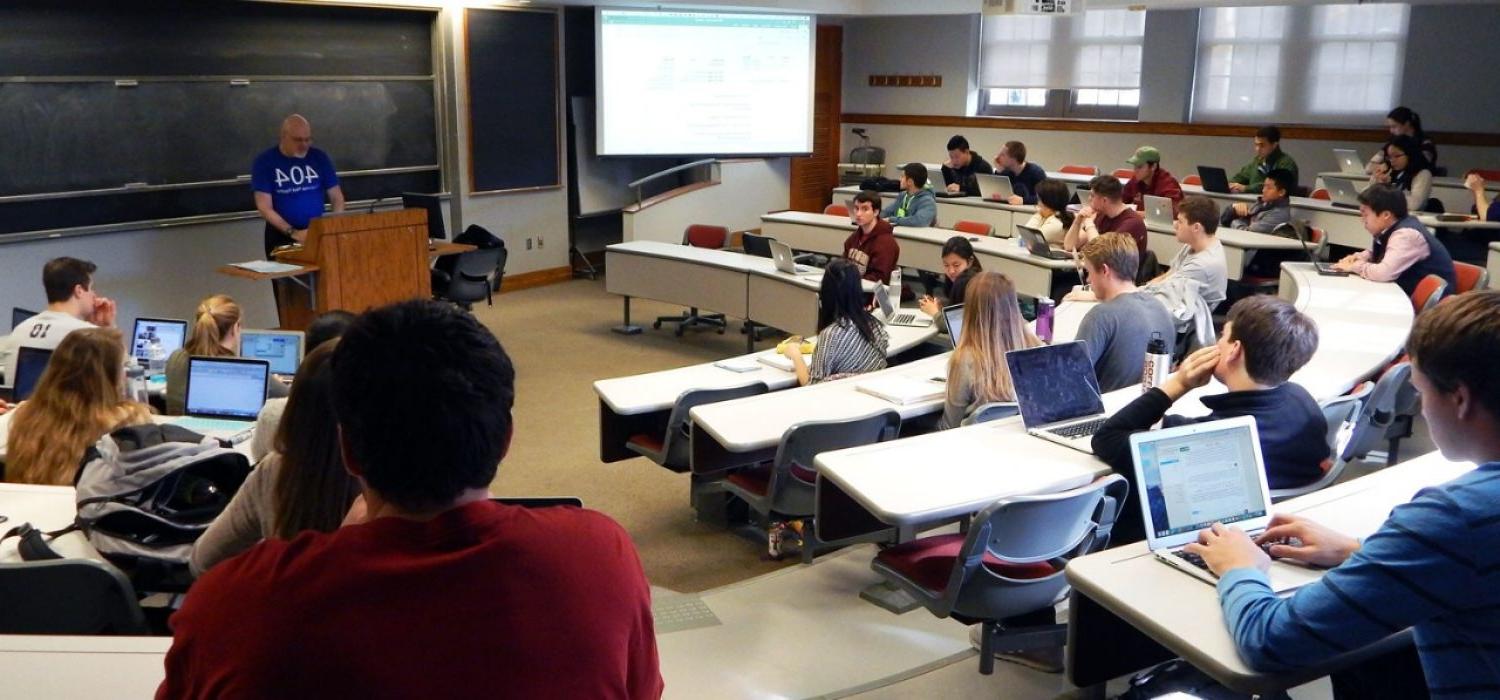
{"points": [[843, 351], [1433, 566]]}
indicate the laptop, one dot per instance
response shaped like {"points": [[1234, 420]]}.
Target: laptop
{"points": [[1193, 476], [1058, 393], [224, 396], [940, 186], [1342, 192], [954, 316], [30, 363], [283, 349], [894, 316], [1036, 243], [1159, 210], [19, 316], [434, 207], [170, 332], [781, 255], [1214, 179], [994, 187], [1349, 161], [1326, 269]]}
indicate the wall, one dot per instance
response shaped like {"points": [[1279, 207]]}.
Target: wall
{"points": [[747, 189], [946, 45], [1449, 77]]}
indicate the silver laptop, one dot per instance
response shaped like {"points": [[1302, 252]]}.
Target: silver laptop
{"points": [[994, 187], [1349, 161], [897, 317], [1158, 210], [1058, 393], [1192, 476], [781, 255], [283, 349], [1036, 244], [225, 395], [939, 186], [1342, 192], [167, 332], [954, 317]]}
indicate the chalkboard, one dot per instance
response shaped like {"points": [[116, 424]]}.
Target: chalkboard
{"points": [[513, 61]]}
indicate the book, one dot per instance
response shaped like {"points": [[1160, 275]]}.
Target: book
{"points": [[903, 391]]}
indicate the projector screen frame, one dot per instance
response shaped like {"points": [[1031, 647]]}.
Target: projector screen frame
{"points": [[599, 101]]}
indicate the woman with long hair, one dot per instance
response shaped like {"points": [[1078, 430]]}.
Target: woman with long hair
{"points": [[959, 266], [850, 340], [77, 400], [1407, 169], [1052, 217], [993, 326], [215, 332], [301, 486]]}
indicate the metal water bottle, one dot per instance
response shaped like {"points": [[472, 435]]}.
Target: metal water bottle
{"points": [[1158, 363], [1044, 309], [135, 383]]}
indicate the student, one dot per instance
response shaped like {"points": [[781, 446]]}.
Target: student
{"points": [[1202, 255], [1024, 176], [961, 167], [1264, 341], [1403, 121], [1106, 212], [328, 326], [1117, 330], [1485, 208], [1268, 157], [72, 304], [993, 326], [1403, 250], [77, 400], [215, 333], [431, 589], [850, 340], [1150, 178], [1406, 169], [1273, 209], [1434, 566], [959, 267], [916, 205], [872, 247], [1052, 217]]}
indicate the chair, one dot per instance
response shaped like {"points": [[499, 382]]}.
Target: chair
{"points": [[1079, 170], [836, 210], [1389, 412], [1267, 280], [1009, 563], [1428, 293], [1124, 173], [68, 596], [786, 487], [672, 448], [1149, 268], [994, 410], [1193, 180], [470, 279], [1341, 414], [977, 228], [1489, 174], [698, 236], [1470, 277], [1321, 193]]}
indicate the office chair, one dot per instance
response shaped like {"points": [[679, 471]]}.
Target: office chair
{"points": [[1428, 293], [1344, 418], [68, 596], [1088, 170], [470, 279], [1321, 193], [994, 410], [1124, 173], [1009, 563], [1193, 180], [671, 448], [698, 236], [836, 210], [976, 228], [1470, 277]]}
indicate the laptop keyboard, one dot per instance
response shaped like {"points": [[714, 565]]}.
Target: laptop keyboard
{"points": [[1191, 558], [1079, 430], [903, 318]]}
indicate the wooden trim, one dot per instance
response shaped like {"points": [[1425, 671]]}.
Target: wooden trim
{"points": [[1323, 133], [535, 278], [669, 194]]}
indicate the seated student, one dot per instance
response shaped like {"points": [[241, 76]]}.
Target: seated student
{"points": [[961, 167], [850, 340], [1406, 169], [1403, 121], [1268, 157], [1052, 217], [993, 326], [959, 267], [72, 304], [915, 206], [1403, 250], [1264, 341], [1024, 176], [1202, 255], [872, 247], [328, 326], [1117, 330], [1485, 208], [77, 400], [215, 333], [1104, 213], [300, 486], [430, 589], [1433, 566], [1273, 209], [1150, 178]]}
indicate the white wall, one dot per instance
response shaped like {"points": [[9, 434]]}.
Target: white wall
{"points": [[747, 189]]}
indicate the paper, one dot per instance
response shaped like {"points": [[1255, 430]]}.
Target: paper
{"points": [[742, 364], [267, 267], [903, 390]]}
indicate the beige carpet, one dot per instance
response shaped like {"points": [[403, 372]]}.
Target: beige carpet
{"points": [[559, 338]]}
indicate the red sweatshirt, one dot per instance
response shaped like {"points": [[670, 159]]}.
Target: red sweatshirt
{"points": [[875, 253]]}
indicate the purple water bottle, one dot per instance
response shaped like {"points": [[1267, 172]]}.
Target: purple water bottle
{"points": [[1044, 309]]}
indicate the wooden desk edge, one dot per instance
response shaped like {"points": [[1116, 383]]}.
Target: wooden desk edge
{"points": [[233, 271]]}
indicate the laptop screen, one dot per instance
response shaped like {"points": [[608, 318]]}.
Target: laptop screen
{"points": [[1194, 478], [226, 387], [169, 332], [283, 349], [30, 363], [18, 316], [954, 316], [434, 206], [1054, 383]]}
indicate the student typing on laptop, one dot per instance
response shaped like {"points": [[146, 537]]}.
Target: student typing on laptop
{"points": [[850, 340], [993, 326], [915, 206], [959, 268], [1434, 566], [1150, 178], [1264, 341], [1268, 158], [1403, 250], [1024, 176], [215, 332], [961, 167], [1052, 217], [1273, 209]]}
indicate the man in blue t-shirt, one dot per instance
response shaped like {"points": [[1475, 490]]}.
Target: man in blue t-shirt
{"points": [[290, 180]]}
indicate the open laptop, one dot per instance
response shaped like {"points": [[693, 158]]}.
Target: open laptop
{"points": [[1192, 476], [954, 317], [994, 187], [434, 207], [896, 317], [1158, 210], [224, 396], [1299, 229], [1058, 393], [19, 316], [940, 186], [170, 332], [1342, 192], [30, 363], [1349, 161], [1036, 243], [781, 255], [283, 349], [1214, 179]]}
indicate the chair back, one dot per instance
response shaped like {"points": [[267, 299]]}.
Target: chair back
{"points": [[1379, 411], [676, 447], [1124, 173], [792, 474], [977, 228], [1470, 277], [1428, 293], [472, 273], [1149, 268], [68, 596], [1321, 193], [836, 210], [1193, 180], [705, 236], [994, 410], [1340, 414], [1079, 170], [1489, 174], [756, 244]]}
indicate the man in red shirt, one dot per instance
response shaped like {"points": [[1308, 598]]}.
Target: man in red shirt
{"points": [[1105, 213], [430, 589], [872, 247], [1150, 179]]}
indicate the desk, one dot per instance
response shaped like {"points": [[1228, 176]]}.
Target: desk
{"points": [[1240, 246], [1183, 614], [1492, 264], [46, 507], [1448, 190], [951, 210], [82, 668]]}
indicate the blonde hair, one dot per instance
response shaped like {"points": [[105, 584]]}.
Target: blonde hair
{"points": [[77, 400], [1117, 250], [215, 318], [992, 327]]}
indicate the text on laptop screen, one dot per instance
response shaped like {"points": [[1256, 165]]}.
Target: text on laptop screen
{"points": [[1054, 383], [1194, 481], [283, 351], [230, 389], [169, 333]]}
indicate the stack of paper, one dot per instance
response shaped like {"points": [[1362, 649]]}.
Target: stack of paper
{"points": [[738, 364], [778, 361], [903, 390], [267, 267]]}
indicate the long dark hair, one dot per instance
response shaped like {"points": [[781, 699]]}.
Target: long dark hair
{"points": [[1416, 160], [1408, 117], [841, 297], [1054, 194], [313, 491], [960, 246]]}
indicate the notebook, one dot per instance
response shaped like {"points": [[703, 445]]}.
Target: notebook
{"points": [[19, 316], [782, 257], [1057, 393], [1036, 244], [903, 391], [1158, 210], [170, 332], [940, 186], [1342, 192], [283, 349]]}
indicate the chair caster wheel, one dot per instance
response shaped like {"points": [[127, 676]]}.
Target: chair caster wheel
{"points": [[721, 331]]}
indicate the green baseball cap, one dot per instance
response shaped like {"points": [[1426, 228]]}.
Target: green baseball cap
{"points": [[1145, 154]]}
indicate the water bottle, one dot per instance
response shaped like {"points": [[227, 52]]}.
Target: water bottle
{"points": [[156, 358], [1044, 309], [1158, 363], [135, 384], [895, 286]]}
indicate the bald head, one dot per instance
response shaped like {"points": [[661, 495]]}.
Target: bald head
{"points": [[296, 136]]}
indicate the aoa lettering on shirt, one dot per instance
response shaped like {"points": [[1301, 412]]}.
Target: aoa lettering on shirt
{"points": [[298, 178]]}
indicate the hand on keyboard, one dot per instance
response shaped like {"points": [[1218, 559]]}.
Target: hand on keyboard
{"points": [[1224, 548]]}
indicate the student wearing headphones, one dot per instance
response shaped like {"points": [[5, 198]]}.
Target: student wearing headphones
{"points": [[850, 340], [993, 326]]}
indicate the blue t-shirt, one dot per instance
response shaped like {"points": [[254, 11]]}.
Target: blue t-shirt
{"points": [[296, 185]]}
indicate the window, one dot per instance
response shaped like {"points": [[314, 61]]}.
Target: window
{"points": [[1357, 63], [1239, 59], [1107, 70], [1086, 65]]}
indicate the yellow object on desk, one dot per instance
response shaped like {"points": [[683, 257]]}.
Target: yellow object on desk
{"points": [[808, 345]]}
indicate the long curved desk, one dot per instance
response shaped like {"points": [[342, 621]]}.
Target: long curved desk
{"points": [[951, 210]]}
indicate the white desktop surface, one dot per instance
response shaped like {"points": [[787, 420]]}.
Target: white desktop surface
{"points": [[81, 668]]}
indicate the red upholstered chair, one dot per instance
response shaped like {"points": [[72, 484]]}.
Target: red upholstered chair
{"points": [[1489, 174], [1009, 563], [698, 236], [1428, 293], [1124, 173], [1470, 277], [1193, 180], [836, 210], [1321, 193], [1317, 247], [977, 228], [670, 447], [1079, 170]]}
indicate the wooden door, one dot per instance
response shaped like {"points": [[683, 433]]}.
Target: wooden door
{"points": [[814, 177]]}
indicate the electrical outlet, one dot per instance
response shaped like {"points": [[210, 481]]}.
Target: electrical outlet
{"points": [[539, 242], [528, 244]]}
